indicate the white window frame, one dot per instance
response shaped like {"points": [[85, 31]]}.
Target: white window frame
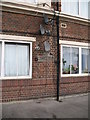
{"points": [[80, 62], [2, 60]]}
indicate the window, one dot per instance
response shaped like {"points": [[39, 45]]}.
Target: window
{"points": [[83, 8], [70, 60], [75, 60], [19, 55], [77, 7], [28, 1], [89, 61], [17, 59], [66, 60], [85, 60], [70, 6], [0, 59]]}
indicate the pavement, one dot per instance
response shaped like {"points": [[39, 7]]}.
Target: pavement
{"points": [[70, 107]]}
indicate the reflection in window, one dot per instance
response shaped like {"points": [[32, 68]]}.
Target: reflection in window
{"points": [[70, 60], [85, 60]]}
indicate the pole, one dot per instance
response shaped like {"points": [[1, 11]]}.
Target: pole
{"points": [[58, 53]]}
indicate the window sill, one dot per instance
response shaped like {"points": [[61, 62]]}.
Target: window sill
{"points": [[76, 17], [15, 78], [75, 75]]}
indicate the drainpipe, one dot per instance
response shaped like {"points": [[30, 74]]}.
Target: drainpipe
{"points": [[58, 53]]}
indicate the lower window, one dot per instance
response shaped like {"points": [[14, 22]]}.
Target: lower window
{"points": [[0, 57], [17, 59], [85, 60], [70, 60], [75, 60]]}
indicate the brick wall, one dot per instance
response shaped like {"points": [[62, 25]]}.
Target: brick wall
{"points": [[44, 73], [74, 85], [75, 30], [54, 5]]}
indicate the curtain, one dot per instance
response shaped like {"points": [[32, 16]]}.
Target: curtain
{"points": [[66, 60], [70, 6], [10, 60], [28, 1], [89, 9], [70, 60], [84, 8], [16, 60], [89, 61], [84, 60], [75, 60], [0, 59], [23, 60]]}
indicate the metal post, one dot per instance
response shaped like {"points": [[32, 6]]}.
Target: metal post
{"points": [[58, 53]]}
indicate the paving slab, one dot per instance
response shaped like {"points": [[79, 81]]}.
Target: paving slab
{"points": [[73, 107]]}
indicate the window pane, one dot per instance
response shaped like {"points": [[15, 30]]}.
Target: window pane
{"points": [[89, 61], [70, 60], [84, 8], [66, 60], [10, 60], [0, 59], [74, 60], [70, 6], [29, 1], [65, 6], [85, 60], [16, 60], [23, 60]]}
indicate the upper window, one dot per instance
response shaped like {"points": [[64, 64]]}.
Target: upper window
{"points": [[76, 8], [16, 59], [28, 1], [21, 1]]}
